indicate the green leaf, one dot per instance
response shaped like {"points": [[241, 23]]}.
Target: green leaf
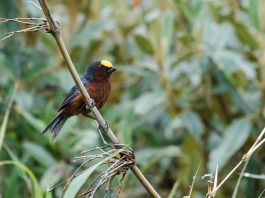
{"points": [[193, 123], [253, 13], [143, 43], [52, 175], [234, 138], [6, 116], [126, 126], [25, 100], [34, 122], [167, 30], [36, 187], [231, 62], [79, 181], [48, 194], [40, 154], [92, 31], [185, 9], [148, 101], [245, 35], [226, 85], [154, 35], [195, 6], [148, 156]]}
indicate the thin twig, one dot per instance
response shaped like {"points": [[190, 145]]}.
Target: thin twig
{"points": [[6, 37], [254, 176], [260, 196], [227, 176], [33, 3], [215, 181], [3, 20], [259, 138], [118, 161], [17, 20], [193, 179], [34, 27], [234, 195]]}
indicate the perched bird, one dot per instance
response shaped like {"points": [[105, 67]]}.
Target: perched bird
{"points": [[97, 82]]}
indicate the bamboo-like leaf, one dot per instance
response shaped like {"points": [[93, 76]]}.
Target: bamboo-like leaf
{"points": [[79, 181], [193, 123], [253, 13], [33, 121], [5, 120], [144, 43], [234, 137], [36, 188], [40, 154]]}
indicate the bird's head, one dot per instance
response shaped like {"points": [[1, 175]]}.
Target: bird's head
{"points": [[99, 70]]}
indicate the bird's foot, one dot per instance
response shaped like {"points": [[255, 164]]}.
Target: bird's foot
{"points": [[91, 105], [101, 130]]}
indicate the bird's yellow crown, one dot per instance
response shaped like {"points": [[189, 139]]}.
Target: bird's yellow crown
{"points": [[106, 63]]}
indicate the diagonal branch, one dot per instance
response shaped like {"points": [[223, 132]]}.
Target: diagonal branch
{"points": [[55, 31]]}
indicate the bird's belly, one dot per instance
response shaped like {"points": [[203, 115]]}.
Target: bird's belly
{"points": [[99, 92]]}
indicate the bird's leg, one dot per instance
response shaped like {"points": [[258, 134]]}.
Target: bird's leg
{"points": [[85, 110], [100, 129], [91, 105], [89, 115], [100, 133]]}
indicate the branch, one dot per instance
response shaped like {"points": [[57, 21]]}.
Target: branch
{"points": [[55, 31]]}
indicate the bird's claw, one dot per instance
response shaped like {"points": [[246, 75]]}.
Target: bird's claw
{"points": [[105, 127], [101, 130], [92, 104]]}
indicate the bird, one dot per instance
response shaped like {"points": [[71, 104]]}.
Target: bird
{"points": [[97, 83]]}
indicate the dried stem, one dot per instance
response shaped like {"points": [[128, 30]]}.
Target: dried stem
{"points": [[118, 163], [34, 27]]}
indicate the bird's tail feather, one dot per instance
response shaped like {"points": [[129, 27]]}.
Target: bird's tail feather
{"points": [[55, 126]]}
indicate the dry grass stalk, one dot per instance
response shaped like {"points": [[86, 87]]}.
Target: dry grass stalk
{"points": [[119, 161], [32, 25]]}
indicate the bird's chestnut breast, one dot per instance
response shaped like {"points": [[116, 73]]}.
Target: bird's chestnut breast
{"points": [[99, 91]]}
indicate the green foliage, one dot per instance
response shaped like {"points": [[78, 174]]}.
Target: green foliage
{"points": [[79, 181], [189, 90]]}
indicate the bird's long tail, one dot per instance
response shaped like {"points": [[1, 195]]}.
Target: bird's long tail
{"points": [[55, 125]]}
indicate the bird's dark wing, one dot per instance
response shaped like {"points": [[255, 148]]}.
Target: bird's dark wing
{"points": [[72, 94]]}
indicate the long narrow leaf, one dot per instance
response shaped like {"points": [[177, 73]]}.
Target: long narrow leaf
{"points": [[5, 120], [36, 187]]}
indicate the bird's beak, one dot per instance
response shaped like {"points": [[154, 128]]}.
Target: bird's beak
{"points": [[112, 69]]}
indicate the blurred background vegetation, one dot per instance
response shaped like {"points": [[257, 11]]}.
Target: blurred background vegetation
{"points": [[189, 92]]}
